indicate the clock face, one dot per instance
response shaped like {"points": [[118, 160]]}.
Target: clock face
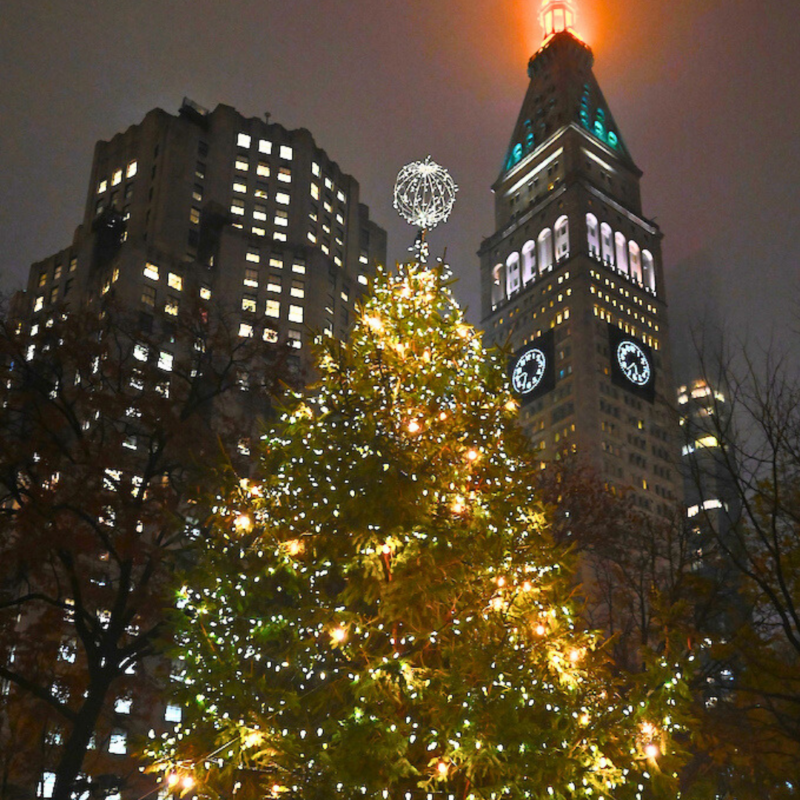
{"points": [[528, 371], [634, 363]]}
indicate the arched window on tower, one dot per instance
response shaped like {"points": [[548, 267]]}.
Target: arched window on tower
{"points": [[621, 250], [635, 256], [498, 286], [607, 239], [512, 274], [528, 262], [592, 236], [545, 250], [562, 238], [648, 270]]}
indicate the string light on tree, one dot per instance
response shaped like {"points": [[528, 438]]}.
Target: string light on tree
{"points": [[423, 642]]}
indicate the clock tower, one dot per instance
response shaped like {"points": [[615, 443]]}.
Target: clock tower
{"points": [[572, 280]]}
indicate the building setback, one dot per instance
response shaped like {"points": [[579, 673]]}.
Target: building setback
{"points": [[572, 280]]}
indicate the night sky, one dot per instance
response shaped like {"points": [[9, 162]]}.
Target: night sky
{"points": [[703, 91]]}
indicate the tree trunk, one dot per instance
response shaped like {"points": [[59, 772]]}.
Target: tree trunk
{"points": [[77, 744]]}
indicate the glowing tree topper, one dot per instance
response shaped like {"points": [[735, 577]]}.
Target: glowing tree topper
{"points": [[424, 194]]}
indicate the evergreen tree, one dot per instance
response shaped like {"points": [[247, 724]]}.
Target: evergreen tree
{"points": [[382, 612]]}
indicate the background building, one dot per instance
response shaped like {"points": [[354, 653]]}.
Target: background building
{"points": [[234, 223], [235, 210], [572, 280]]}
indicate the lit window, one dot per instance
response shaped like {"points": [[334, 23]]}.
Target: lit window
{"points": [[260, 212], [43, 277], [707, 441], [362, 279], [264, 146], [312, 237], [249, 303], [118, 742], [299, 268], [73, 264], [173, 713], [260, 191], [345, 296], [256, 230], [340, 197], [339, 218], [262, 169], [47, 785], [298, 289], [205, 293], [295, 339], [194, 215], [279, 236], [237, 207], [253, 255], [245, 330], [281, 218], [116, 178], [53, 294], [270, 335], [132, 169], [243, 140], [286, 152], [282, 198], [165, 360], [102, 186], [276, 262], [327, 206], [175, 281], [171, 306], [273, 309], [328, 184], [315, 191], [250, 277], [274, 284], [285, 175], [240, 187], [151, 271], [140, 352], [315, 168], [295, 313], [122, 705], [149, 296]]}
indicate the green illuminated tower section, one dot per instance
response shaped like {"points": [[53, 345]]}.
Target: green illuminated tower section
{"points": [[572, 279]]}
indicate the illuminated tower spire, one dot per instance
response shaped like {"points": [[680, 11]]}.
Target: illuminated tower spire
{"points": [[557, 16]]}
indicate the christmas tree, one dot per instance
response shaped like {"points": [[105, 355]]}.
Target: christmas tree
{"points": [[379, 610]]}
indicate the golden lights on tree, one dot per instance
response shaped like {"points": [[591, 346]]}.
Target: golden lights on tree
{"points": [[393, 619]]}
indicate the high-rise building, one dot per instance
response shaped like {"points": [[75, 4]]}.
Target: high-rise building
{"points": [[572, 279], [241, 212], [238, 220]]}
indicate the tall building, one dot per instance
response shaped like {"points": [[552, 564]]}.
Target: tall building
{"points": [[572, 279], [241, 212], [238, 221]]}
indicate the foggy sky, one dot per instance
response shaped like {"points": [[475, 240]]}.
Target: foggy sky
{"points": [[703, 91]]}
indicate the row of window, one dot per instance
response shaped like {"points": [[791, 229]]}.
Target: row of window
{"points": [[614, 250], [116, 176], [536, 258]]}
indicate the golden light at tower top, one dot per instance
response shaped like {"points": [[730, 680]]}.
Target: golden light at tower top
{"points": [[556, 16], [424, 193]]}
